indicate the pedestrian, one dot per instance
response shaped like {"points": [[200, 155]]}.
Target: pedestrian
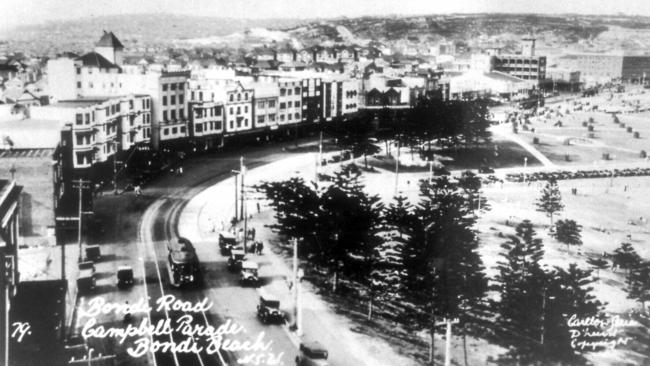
{"points": [[260, 246], [254, 248], [240, 234], [258, 207], [137, 190], [252, 233]]}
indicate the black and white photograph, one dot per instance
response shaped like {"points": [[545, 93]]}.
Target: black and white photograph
{"points": [[324, 183]]}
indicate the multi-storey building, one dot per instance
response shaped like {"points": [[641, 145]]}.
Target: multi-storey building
{"points": [[290, 101], [266, 105], [101, 126], [526, 66], [238, 107], [312, 107]]}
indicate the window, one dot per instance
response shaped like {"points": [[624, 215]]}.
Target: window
{"points": [[117, 107], [245, 109], [80, 159], [288, 104], [181, 99], [283, 92], [172, 86], [238, 97], [232, 98], [282, 118], [297, 91], [271, 117], [78, 84], [245, 96], [231, 125], [261, 104], [260, 119], [172, 99], [238, 122], [180, 86], [288, 91], [238, 110], [165, 100], [271, 103], [283, 106], [130, 104], [78, 70], [181, 113], [230, 110], [164, 87], [297, 115], [246, 122], [296, 104], [200, 95], [289, 117], [193, 96], [182, 129], [80, 119], [173, 114], [217, 125], [198, 128], [90, 85], [165, 116], [108, 112], [166, 131]]}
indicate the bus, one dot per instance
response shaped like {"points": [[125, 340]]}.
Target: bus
{"points": [[183, 268]]}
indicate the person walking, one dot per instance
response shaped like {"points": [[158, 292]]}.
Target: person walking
{"points": [[260, 247]]}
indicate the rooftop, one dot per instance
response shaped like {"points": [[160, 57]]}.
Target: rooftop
{"points": [[94, 59], [109, 40]]}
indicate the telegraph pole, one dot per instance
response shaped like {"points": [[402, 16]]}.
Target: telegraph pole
{"points": [[243, 173], [80, 184], [397, 170]]}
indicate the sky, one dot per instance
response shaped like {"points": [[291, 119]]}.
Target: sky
{"points": [[18, 12]]}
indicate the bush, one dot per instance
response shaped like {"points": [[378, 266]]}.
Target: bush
{"points": [[606, 156], [590, 128], [535, 140], [629, 129], [643, 154], [622, 125], [636, 135], [567, 157], [585, 124]]}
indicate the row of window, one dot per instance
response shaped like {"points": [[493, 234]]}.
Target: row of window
{"points": [[172, 115], [230, 111], [91, 85], [239, 123], [207, 126], [174, 130], [173, 86], [290, 105], [263, 104], [288, 91], [172, 100]]}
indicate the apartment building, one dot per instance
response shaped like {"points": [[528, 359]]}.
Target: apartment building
{"points": [[526, 66], [238, 107], [290, 101], [266, 105], [101, 126]]}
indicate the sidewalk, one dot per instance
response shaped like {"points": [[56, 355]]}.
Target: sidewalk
{"points": [[201, 221]]}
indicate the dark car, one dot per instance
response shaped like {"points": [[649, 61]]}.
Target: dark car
{"points": [[227, 241], [268, 310], [124, 276], [312, 354], [237, 256]]}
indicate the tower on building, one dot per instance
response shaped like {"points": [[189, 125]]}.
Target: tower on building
{"points": [[528, 47], [110, 47]]}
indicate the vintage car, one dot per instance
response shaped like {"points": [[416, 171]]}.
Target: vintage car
{"points": [[93, 253], [312, 354], [86, 280], [124, 276], [268, 310], [227, 241], [248, 274], [237, 256]]}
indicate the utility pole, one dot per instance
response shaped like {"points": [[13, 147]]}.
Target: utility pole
{"points": [[294, 286], [397, 169], [243, 174], [449, 323], [236, 199], [115, 169], [80, 184]]}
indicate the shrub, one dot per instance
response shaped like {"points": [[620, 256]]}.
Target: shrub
{"points": [[585, 124], [535, 140], [590, 128], [606, 156], [636, 134], [643, 154], [629, 129]]}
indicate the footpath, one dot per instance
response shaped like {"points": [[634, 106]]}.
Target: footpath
{"points": [[210, 212]]}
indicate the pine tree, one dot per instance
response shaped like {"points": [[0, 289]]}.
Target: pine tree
{"points": [[471, 185], [446, 273], [568, 232], [639, 288], [627, 258], [550, 201]]}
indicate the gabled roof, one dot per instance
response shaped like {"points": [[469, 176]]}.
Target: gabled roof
{"points": [[109, 40], [97, 60]]}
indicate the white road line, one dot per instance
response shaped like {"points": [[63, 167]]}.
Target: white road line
{"points": [[149, 241], [144, 282]]}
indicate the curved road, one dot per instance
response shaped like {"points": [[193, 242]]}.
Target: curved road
{"points": [[158, 225]]}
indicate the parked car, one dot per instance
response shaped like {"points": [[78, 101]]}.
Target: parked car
{"points": [[93, 253], [312, 354], [237, 256], [248, 274], [227, 241], [124, 276], [86, 280], [268, 310]]}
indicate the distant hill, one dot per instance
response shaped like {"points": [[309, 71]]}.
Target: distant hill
{"points": [[133, 30], [146, 30]]}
